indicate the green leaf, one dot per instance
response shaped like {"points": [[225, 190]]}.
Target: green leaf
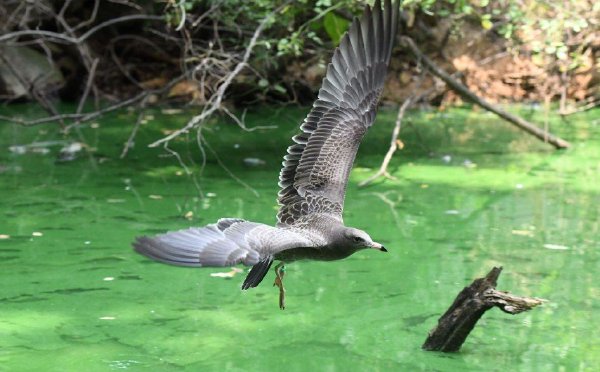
{"points": [[335, 26], [263, 83], [279, 88], [486, 24], [486, 21]]}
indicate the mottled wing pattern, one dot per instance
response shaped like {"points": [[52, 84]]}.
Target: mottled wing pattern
{"points": [[316, 169], [226, 243]]}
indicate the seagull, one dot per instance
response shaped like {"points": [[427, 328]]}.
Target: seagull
{"points": [[314, 176]]}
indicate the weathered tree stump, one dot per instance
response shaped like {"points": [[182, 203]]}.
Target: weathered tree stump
{"points": [[468, 307]]}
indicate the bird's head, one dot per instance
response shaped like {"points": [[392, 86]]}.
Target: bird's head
{"points": [[359, 239]]}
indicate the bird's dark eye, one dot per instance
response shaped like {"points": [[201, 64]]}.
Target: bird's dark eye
{"points": [[358, 239]]}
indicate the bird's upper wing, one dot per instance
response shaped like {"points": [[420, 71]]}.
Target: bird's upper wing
{"points": [[226, 243], [316, 169]]}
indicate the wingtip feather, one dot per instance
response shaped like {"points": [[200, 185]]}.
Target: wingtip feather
{"points": [[352, 83]]}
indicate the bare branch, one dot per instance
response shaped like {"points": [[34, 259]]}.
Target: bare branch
{"points": [[88, 85], [214, 102], [84, 117], [393, 145], [230, 173], [138, 122], [241, 122], [78, 40]]}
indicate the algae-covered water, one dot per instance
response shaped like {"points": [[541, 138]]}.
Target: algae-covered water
{"points": [[470, 193]]}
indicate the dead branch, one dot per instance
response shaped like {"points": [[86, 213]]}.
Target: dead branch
{"points": [[242, 123], [214, 102], [59, 37], [88, 85], [458, 87], [136, 126], [229, 172], [84, 117], [588, 105], [393, 145]]}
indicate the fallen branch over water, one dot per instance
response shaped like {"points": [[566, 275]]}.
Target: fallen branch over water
{"points": [[468, 307], [393, 145], [461, 89]]}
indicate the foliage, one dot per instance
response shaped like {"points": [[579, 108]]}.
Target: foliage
{"points": [[206, 38], [556, 32]]}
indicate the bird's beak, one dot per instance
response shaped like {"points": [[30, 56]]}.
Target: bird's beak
{"points": [[378, 246]]}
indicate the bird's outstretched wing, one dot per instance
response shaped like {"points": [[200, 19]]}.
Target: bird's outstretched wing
{"points": [[228, 242], [316, 169]]}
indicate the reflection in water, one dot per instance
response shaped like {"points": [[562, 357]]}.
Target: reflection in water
{"points": [[77, 297]]}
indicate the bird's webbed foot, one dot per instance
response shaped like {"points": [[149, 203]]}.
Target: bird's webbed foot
{"points": [[279, 273]]}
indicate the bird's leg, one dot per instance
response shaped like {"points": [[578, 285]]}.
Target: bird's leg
{"points": [[279, 272]]}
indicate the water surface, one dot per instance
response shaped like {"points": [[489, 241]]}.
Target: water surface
{"points": [[470, 193]]}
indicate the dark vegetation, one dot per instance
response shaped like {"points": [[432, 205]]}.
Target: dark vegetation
{"points": [[225, 54]]}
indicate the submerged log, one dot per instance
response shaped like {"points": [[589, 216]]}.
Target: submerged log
{"points": [[468, 307]]}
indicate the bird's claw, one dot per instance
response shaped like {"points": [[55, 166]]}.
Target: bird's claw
{"points": [[280, 271]]}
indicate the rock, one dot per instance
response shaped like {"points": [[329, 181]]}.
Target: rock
{"points": [[23, 70]]}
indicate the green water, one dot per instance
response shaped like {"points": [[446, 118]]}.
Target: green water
{"points": [[74, 296]]}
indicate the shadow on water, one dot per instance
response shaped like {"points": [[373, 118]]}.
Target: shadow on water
{"points": [[470, 192]]}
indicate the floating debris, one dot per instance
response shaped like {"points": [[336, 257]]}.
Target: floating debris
{"points": [[424, 185], [40, 150], [452, 211], [108, 279], [469, 164], [556, 246], [35, 147], [446, 158], [18, 149], [189, 215], [37, 233], [107, 318], [523, 232], [171, 111], [210, 194], [254, 162], [230, 274], [155, 197], [69, 152], [4, 236]]}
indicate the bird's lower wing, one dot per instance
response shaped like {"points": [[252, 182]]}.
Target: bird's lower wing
{"points": [[198, 246], [226, 243]]}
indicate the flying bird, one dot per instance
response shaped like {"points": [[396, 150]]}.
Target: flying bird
{"points": [[314, 176]]}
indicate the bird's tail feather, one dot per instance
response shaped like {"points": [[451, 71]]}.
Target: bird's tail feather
{"points": [[257, 273]]}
